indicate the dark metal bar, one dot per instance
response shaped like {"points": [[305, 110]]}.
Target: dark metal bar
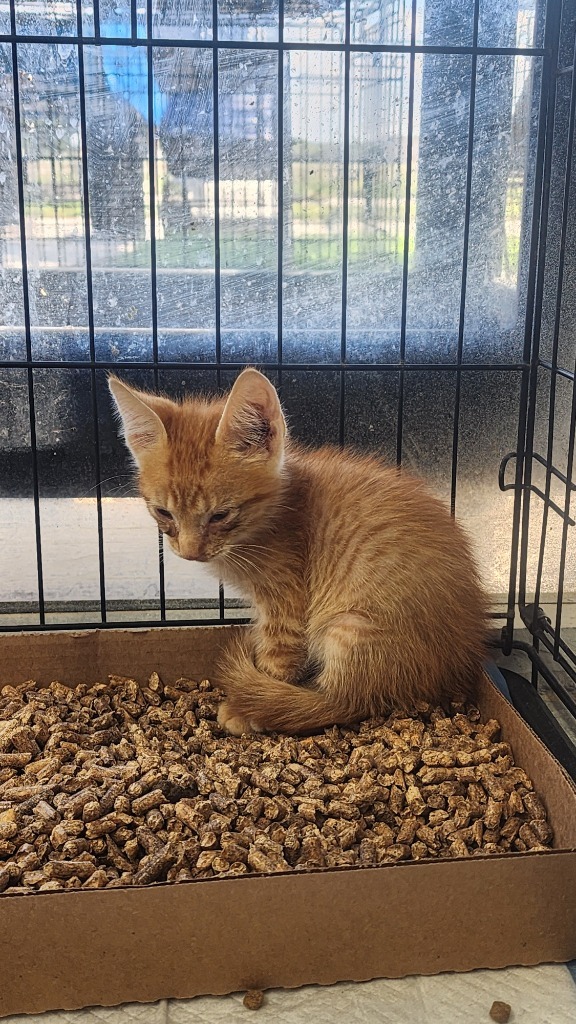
{"points": [[559, 370], [562, 645], [566, 198], [133, 20], [536, 659], [243, 44], [96, 13], [406, 254], [90, 305], [464, 279], [558, 473], [280, 193], [345, 202], [171, 364], [539, 625], [536, 458], [560, 691], [120, 624], [216, 166], [217, 254], [139, 623], [153, 279], [26, 305], [526, 418], [118, 605], [547, 462], [548, 503]]}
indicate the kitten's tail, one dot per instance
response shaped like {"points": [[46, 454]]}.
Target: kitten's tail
{"points": [[262, 703]]}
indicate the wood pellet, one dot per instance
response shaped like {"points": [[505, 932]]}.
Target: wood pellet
{"points": [[117, 785]]}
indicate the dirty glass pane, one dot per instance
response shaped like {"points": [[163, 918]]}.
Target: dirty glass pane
{"points": [[116, 19], [504, 126], [444, 22], [15, 459], [488, 430], [381, 21], [314, 21], [87, 10], [567, 336], [563, 319], [12, 344], [248, 192], [313, 182], [182, 19], [119, 187], [19, 578], [503, 167], [130, 536], [567, 34], [68, 574], [428, 424], [377, 199], [557, 429], [438, 205], [550, 436], [510, 23], [185, 581], [51, 153], [255, 20], [371, 412], [47, 17], [311, 399], [185, 202]]}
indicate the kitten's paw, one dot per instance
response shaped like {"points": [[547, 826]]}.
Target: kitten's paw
{"points": [[233, 723]]}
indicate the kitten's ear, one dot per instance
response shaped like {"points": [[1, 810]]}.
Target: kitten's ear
{"points": [[142, 427], [252, 422]]}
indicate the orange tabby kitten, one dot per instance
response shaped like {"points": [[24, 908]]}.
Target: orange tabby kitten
{"points": [[365, 591]]}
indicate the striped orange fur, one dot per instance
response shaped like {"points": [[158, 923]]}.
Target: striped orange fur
{"points": [[365, 592]]}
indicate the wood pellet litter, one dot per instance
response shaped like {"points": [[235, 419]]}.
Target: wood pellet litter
{"points": [[113, 785]]}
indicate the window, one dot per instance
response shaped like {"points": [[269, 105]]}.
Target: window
{"points": [[350, 181]]}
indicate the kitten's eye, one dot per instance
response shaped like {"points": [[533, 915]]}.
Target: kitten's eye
{"points": [[163, 512], [219, 517]]}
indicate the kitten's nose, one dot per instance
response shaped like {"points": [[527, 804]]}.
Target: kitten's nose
{"points": [[191, 548]]}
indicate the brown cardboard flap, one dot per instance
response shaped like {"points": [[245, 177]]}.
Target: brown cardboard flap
{"points": [[80, 948], [110, 946], [88, 656]]}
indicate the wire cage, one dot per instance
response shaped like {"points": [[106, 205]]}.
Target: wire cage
{"points": [[371, 200]]}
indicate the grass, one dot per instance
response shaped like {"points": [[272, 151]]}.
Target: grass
{"points": [[314, 242], [259, 253]]}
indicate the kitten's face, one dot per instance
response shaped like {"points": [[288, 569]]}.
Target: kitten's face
{"points": [[208, 471]]}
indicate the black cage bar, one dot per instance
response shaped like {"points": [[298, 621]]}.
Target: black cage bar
{"points": [[371, 200]]}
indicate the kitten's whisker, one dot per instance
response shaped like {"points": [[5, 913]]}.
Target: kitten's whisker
{"points": [[107, 479], [242, 564]]}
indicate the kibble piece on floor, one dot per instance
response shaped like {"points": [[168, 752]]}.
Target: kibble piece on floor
{"points": [[253, 999], [500, 1012], [114, 785]]}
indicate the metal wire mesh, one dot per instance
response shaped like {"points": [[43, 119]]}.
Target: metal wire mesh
{"points": [[291, 170]]}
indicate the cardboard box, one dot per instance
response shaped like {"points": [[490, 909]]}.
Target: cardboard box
{"points": [[79, 948]]}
